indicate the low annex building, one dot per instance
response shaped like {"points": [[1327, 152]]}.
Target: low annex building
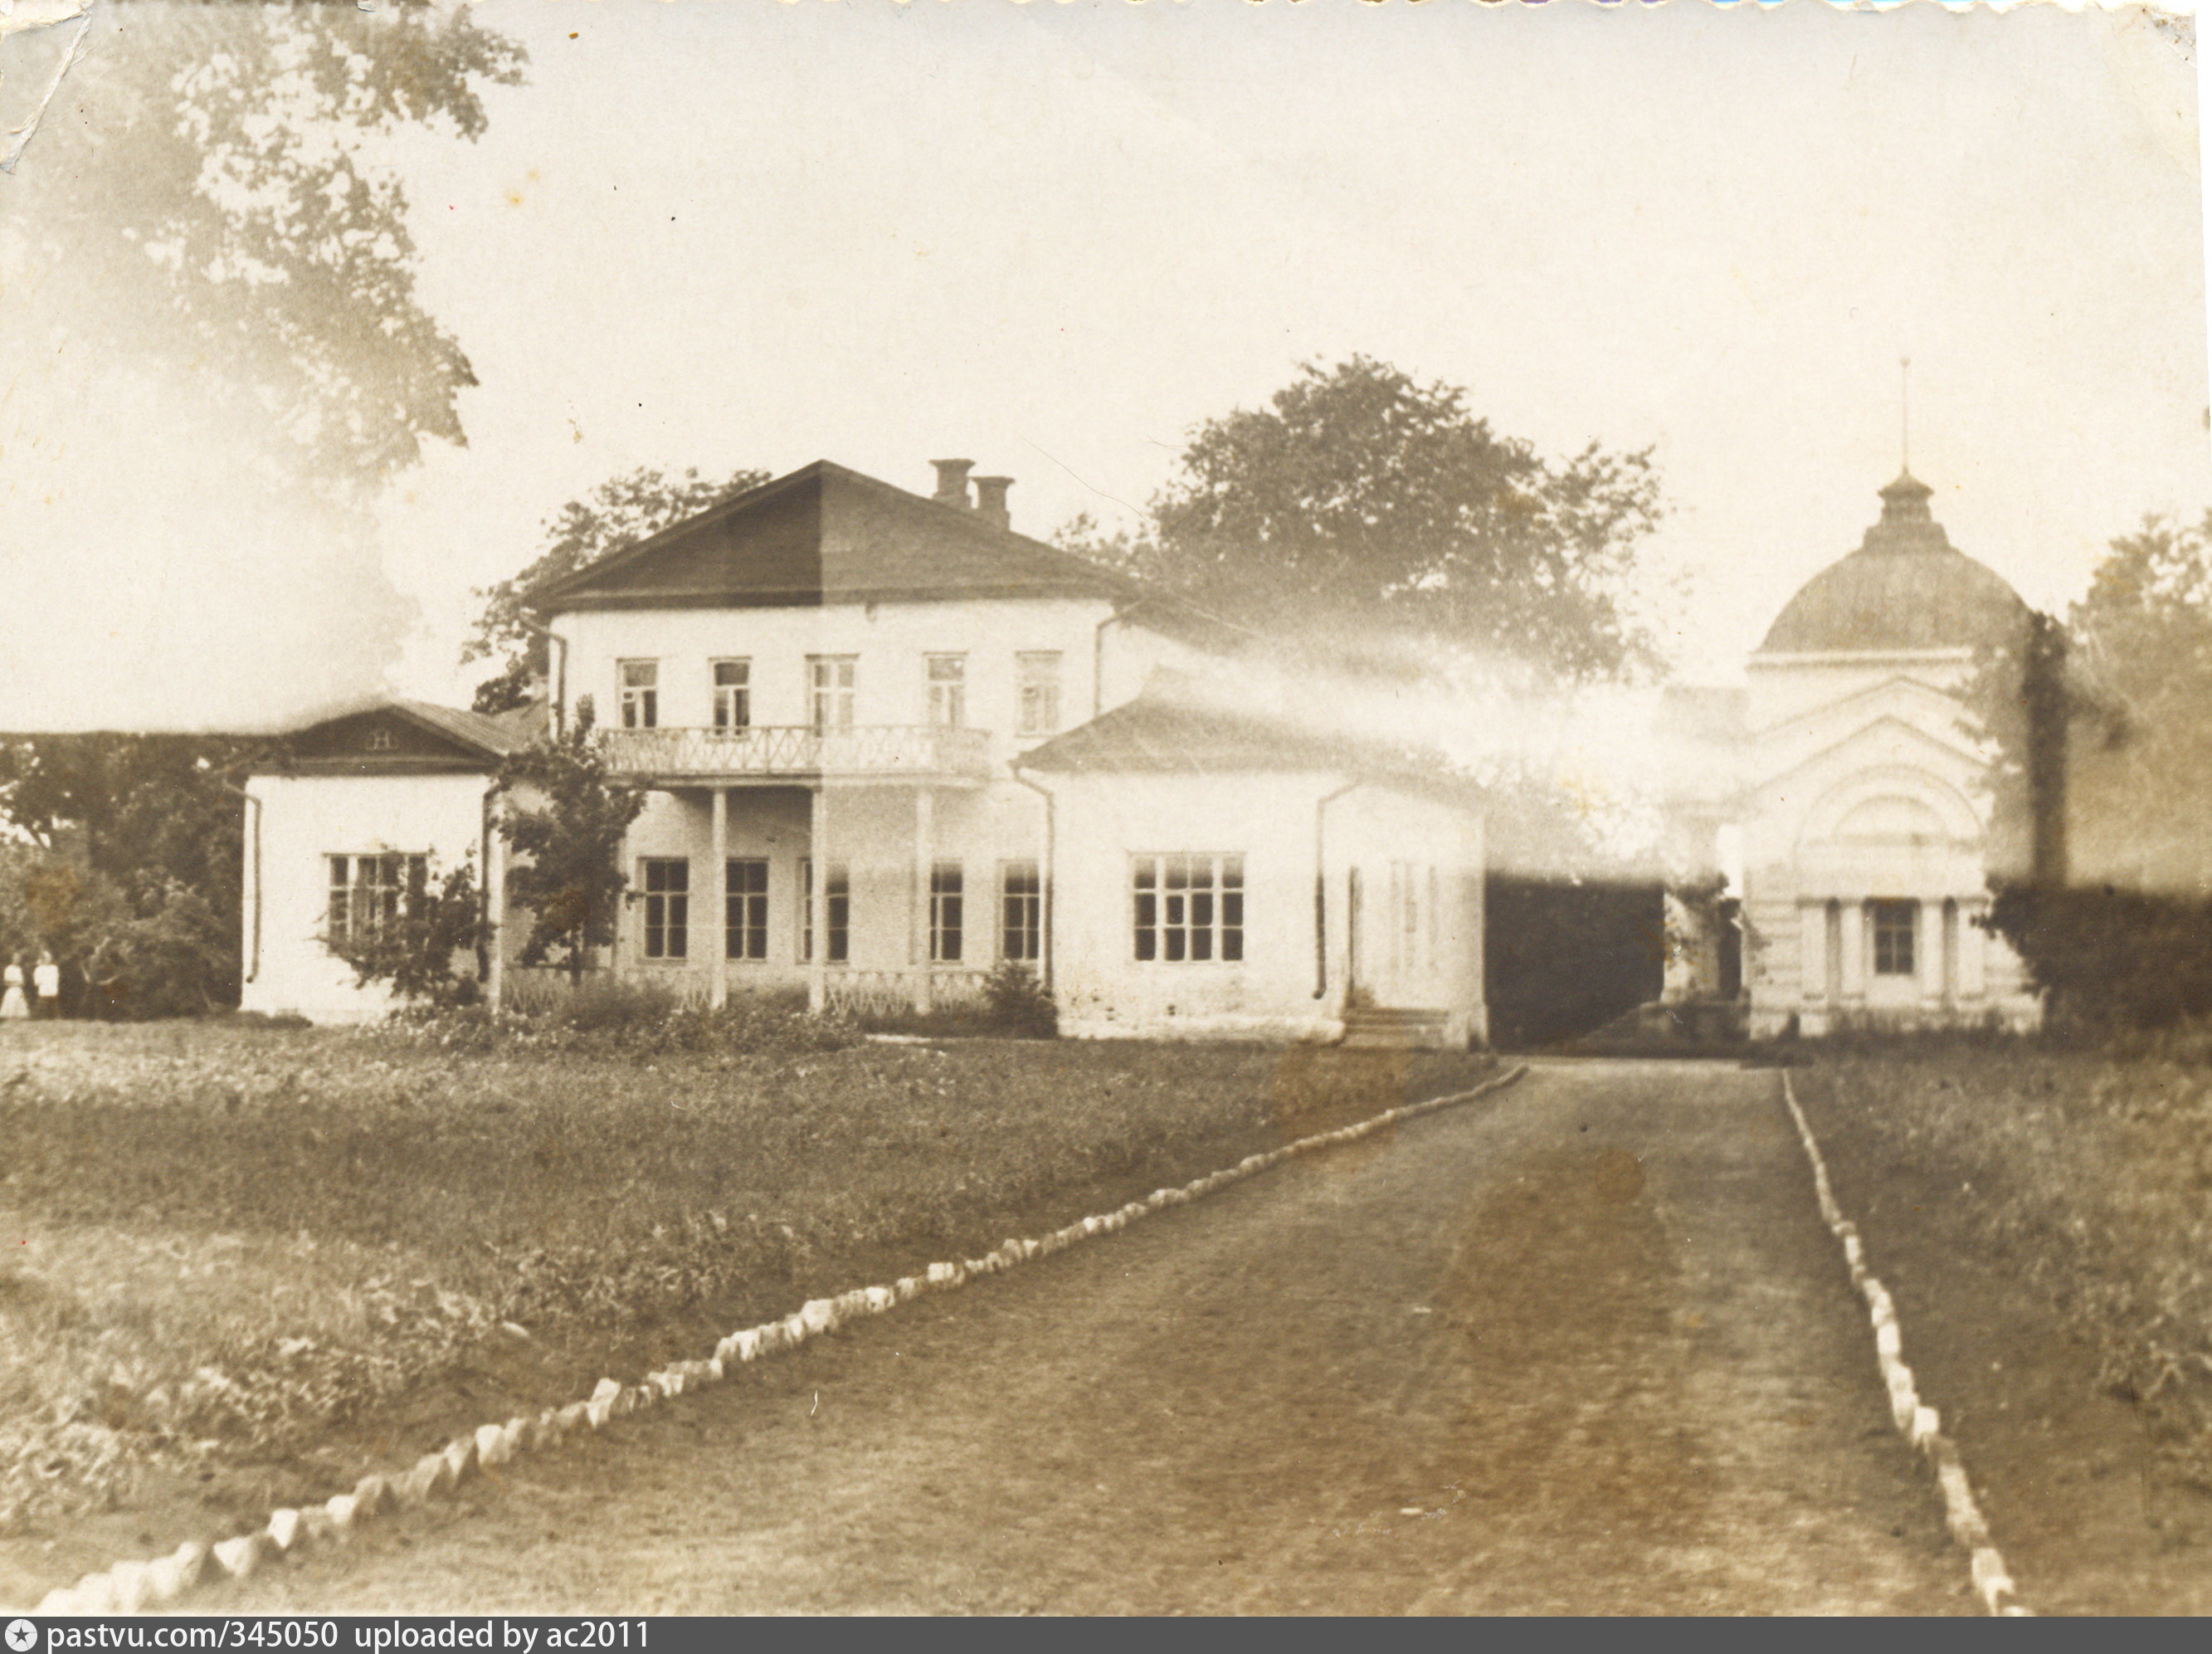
{"points": [[892, 744]]}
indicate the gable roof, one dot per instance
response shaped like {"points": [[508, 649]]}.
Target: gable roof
{"points": [[393, 735], [826, 534]]}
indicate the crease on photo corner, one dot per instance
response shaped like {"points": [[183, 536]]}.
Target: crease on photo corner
{"points": [[21, 17]]}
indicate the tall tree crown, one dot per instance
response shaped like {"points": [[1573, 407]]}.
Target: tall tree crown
{"points": [[1361, 497]]}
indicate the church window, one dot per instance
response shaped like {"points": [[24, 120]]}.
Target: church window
{"points": [[1893, 924]]}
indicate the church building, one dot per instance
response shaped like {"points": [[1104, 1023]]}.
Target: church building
{"points": [[1849, 771]]}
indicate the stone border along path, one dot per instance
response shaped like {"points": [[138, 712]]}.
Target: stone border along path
{"points": [[1921, 1424], [135, 1587]]}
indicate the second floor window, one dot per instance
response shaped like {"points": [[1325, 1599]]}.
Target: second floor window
{"points": [[734, 694], [640, 694], [1036, 675], [667, 881], [830, 691], [948, 691]]}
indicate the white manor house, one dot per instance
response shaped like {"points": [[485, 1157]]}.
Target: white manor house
{"points": [[890, 744]]}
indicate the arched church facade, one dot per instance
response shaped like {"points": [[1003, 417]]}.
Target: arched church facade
{"points": [[1855, 784]]}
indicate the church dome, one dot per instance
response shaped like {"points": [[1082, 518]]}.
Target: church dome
{"points": [[1905, 587]]}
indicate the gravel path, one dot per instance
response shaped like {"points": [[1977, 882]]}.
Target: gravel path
{"points": [[1583, 1348]]}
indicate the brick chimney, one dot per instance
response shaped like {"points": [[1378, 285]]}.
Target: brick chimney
{"points": [[991, 500], [952, 482]]}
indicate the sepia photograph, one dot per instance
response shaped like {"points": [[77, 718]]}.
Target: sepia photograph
{"points": [[1100, 807]]}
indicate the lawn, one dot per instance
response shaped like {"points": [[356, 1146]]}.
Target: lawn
{"points": [[238, 1257], [2044, 1217]]}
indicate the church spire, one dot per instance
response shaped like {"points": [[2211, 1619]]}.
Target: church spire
{"points": [[1905, 414]]}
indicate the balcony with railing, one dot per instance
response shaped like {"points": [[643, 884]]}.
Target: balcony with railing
{"points": [[800, 752]]}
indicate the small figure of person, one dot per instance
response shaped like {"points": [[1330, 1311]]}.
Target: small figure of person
{"points": [[46, 985], [13, 1006]]}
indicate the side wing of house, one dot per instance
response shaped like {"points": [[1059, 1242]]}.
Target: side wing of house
{"points": [[361, 812], [1214, 875]]}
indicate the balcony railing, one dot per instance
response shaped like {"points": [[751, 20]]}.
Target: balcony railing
{"points": [[802, 752]]}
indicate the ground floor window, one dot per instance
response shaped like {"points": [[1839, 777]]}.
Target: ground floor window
{"points": [[1893, 938], [744, 910], [1021, 911], [837, 912], [945, 902], [1188, 909], [370, 894], [667, 881]]}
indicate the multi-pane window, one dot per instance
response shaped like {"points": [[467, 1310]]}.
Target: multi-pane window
{"points": [[1036, 677], [945, 903], [1893, 924], [1021, 911], [829, 690], [1189, 908], [734, 694], [370, 894], [948, 691], [744, 909], [837, 912], [640, 694], [667, 881]]}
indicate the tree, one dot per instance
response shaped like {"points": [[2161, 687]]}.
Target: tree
{"points": [[2112, 928], [131, 870], [1359, 499], [619, 512], [215, 195], [415, 956], [571, 882]]}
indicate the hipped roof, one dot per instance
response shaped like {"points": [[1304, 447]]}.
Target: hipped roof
{"points": [[824, 534]]}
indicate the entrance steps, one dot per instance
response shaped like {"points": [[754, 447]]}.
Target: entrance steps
{"points": [[1387, 1028]]}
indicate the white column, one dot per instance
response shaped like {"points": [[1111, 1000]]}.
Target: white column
{"points": [[818, 900], [1929, 956], [494, 913], [1812, 949], [718, 986], [924, 852], [1853, 985], [1973, 941]]}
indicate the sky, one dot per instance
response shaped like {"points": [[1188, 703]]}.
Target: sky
{"points": [[1055, 238]]}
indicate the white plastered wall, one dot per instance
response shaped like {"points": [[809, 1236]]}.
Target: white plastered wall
{"points": [[303, 821], [1865, 785], [1293, 978]]}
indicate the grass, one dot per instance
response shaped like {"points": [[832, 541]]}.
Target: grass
{"points": [[2087, 1172], [223, 1240]]}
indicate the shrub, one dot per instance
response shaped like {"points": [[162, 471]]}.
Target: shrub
{"points": [[2112, 961], [1016, 1002]]}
